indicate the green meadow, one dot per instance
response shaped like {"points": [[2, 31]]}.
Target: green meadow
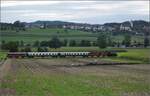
{"points": [[33, 34], [29, 78]]}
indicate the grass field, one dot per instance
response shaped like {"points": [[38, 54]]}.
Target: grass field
{"points": [[45, 34], [39, 77], [136, 54], [2, 55], [34, 34]]}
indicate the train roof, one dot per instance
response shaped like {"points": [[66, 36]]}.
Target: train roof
{"points": [[17, 52]]}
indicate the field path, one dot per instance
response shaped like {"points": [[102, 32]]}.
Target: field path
{"points": [[5, 68]]}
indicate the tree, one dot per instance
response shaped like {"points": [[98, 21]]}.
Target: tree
{"points": [[55, 42], [65, 42], [21, 43], [45, 49], [16, 24], [36, 44], [19, 26], [109, 40], [66, 31], [102, 40], [27, 49], [3, 44], [44, 43], [127, 40], [72, 43], [39, 49], [85, 43], [44, 25], [11, 46], [146, 42]]}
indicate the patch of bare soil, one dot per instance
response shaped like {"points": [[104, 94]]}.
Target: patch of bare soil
{"points": [[69, 66]]}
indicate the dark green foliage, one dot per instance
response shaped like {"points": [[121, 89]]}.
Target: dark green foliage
{"points": [[102, 40], [127, 40], [55, 42], [72, 43], [85, 43], [40, 49], [65, 42], [27, 49], [44, 25], [36, 44], [3, 45], [21, 43], [19, 26], [44, 43], [12, 46], [45, 49], [146, 41]]}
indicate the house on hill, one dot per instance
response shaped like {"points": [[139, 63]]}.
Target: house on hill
{"points": [[126, 26]]}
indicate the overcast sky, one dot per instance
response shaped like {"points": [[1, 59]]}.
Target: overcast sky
{"points": [[97, 12]]}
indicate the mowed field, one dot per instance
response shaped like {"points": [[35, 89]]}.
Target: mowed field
{"points": [[60, 77]]}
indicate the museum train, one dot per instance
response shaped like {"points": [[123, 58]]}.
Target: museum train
{"points": [[60, 54]]}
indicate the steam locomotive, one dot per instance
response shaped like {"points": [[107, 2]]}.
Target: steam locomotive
{"points": [[60, 54]]}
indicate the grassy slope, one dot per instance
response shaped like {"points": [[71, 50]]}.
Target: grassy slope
{"points": [[45, 34]]}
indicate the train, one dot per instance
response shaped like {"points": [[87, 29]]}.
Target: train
{"points": [[61, 54]]}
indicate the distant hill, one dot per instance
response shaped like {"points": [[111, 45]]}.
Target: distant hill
{"points": [[135, 27], [52, 22]]}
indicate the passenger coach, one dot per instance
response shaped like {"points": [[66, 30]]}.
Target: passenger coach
{"points": [[60, 54]]}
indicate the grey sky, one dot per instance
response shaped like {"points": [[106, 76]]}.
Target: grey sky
{"points": [[74, 11]]}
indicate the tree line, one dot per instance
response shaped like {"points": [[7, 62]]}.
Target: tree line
{"points": [[16, 26], [103, 41]]}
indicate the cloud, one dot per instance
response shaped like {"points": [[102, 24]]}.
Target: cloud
{"points": [[24, 3], [81, 11]]}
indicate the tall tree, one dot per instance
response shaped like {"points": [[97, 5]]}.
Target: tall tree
{"points": [[127, 40], [55, 42], [72, 43], [102, 40], [21, 43], [3, 44], [16, 24], [65, 42], [36, 44], [44, 43]]}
